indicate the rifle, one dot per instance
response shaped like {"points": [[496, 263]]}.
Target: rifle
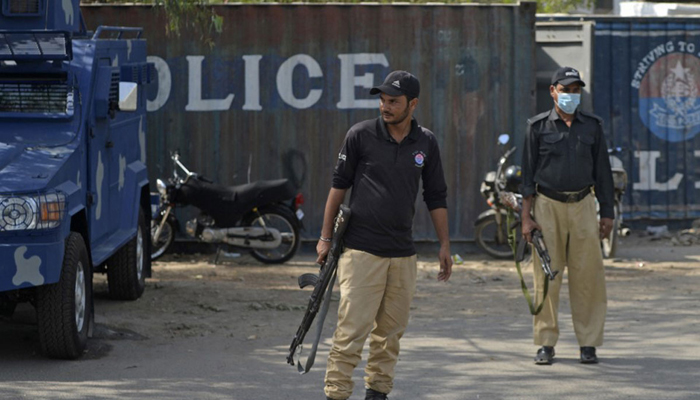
{"points": [[542, 253], [321, 295], [512, 203]]}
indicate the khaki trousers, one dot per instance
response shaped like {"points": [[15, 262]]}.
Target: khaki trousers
{"points": [[375, 298], [571, 232]]}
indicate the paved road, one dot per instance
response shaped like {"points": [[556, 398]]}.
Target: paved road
{"points": [[470, 351]]}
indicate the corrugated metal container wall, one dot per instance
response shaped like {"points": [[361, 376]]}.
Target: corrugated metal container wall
{"points": [[646, 85], [283, 84]]}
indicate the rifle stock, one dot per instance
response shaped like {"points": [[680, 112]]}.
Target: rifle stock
{"points": [[321, 285]]}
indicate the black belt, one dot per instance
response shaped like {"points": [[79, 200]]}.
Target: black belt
{"points": [[564, 197]]}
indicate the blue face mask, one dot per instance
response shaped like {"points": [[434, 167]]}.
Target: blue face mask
{"points": [[568, 102]]}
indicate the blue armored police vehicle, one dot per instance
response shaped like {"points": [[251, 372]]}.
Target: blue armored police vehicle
{"points": [[74, 195]]}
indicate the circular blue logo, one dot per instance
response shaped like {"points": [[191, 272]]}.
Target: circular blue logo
{"points": [[419, 159], [668, 97]]}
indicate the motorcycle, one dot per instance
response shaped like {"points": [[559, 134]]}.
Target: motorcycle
{"points": [[263, 216], [491, 230], [609, 245]]}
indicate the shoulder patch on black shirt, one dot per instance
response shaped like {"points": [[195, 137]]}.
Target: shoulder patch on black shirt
{"points": [[538, 117]]}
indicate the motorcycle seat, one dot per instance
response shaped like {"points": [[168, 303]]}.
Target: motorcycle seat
{"points": [[262, 192], [227, 203]]}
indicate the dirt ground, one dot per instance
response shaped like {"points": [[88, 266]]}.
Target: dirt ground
{"points": [[190, 296], [206, 331]]}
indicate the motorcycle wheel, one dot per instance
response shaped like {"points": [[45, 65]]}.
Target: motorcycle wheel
{"points": [[609, 245], [487, 238], [287, 224], [165, 240]]}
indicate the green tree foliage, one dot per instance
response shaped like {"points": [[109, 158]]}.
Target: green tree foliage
{"points": [[561, 6], [194, 15]]}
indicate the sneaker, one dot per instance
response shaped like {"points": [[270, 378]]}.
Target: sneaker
{"points": [[545, 355], [374, 395], [588, 355]]}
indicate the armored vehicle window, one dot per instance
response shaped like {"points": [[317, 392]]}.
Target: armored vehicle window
{"points": [[22, 7], [36, 94]]}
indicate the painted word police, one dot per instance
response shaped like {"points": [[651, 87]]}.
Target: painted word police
{"points": [[348, 80]]}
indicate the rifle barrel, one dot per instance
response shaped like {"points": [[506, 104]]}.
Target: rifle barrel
{"points": [[324, 277]]}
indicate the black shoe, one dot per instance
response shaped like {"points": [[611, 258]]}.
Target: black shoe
{"points": [[588, 355], [374, 395], [545, 355]]}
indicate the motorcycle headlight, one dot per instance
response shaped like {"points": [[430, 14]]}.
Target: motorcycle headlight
{"points": [[162, 187], [31, 212]]}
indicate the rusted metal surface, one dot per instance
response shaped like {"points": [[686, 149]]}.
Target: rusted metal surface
{"points": [[283, 84]]}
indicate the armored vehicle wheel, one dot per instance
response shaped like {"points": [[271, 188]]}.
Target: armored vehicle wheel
{"points": [[287, 224], [64, 309], [126, 269]]}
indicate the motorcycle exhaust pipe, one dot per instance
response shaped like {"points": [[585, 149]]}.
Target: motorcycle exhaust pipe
{"points": [[624, 232]]}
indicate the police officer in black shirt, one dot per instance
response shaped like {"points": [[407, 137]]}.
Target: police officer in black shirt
{"points": [[565, 169], [383, 160]]}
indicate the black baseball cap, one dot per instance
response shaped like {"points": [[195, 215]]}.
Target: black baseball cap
{"points": [[398, 83], [567, 76]]}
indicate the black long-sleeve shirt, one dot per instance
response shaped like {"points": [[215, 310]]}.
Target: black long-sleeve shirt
{"points": [[568, 159], [385, 176]]}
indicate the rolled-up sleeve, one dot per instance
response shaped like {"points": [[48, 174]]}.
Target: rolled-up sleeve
{"points": [[530, 154], [344, 172], [434, 186]]}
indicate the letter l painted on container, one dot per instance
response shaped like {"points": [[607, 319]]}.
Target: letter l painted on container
{"points": [[194, 97], [647, 173]]}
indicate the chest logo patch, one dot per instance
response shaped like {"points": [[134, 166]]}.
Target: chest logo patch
{"points": [[419, 159]]}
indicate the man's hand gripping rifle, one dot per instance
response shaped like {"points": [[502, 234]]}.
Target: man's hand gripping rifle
{"points": [[321, 295], [512, 203], [542, 253]]}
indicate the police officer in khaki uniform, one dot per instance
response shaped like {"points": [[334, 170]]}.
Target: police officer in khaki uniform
{"points": [[565, 168], [383, 160]]}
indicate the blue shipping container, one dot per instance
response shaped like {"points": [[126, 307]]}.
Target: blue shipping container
{"points": [[646, 85]]}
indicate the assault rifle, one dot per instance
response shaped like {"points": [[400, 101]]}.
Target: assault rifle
{"points": [[512, 203], [542, 253], [321, 295]]}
